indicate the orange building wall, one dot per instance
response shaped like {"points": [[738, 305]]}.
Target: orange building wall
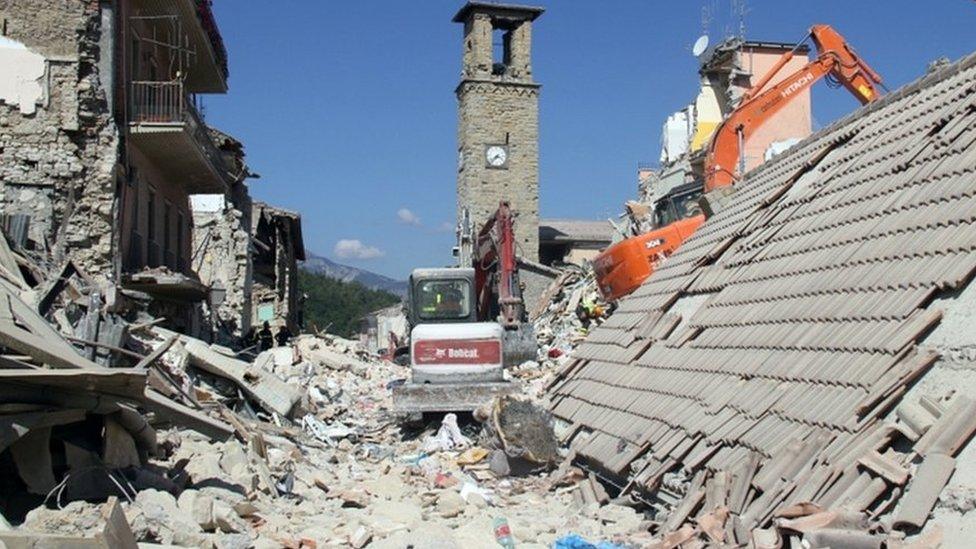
{"points": [[795, 120]]}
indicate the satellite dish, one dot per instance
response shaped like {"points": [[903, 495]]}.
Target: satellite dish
{"points": [[700, 45]]}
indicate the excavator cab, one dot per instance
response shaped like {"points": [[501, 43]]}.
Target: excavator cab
{"points": [[680, 203], [440, 296]]}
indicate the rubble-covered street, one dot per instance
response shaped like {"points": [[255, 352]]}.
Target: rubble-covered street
{"points": [[313, 457], [764, 338]]}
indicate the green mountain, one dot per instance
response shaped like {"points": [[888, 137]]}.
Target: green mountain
{"points": [[337, 306]]}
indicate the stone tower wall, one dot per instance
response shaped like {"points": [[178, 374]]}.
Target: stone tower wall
{"points": [[499, 108], [489, 114]]}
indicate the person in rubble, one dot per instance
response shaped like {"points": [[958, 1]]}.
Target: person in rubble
{"points": [[282, 336], [265, 337]]}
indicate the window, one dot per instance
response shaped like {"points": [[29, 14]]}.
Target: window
{"points": [[443, 299], [501, 49]]}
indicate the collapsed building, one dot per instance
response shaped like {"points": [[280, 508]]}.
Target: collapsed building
{"points": [[801, 366], [103, 144], [726, 72], [277, 237]]}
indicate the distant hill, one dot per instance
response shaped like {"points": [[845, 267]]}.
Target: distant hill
{"points": [[337, 306], [324, 266]]}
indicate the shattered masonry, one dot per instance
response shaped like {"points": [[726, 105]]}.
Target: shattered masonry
{"points": [[59, 147], [776, 342], [277, 235], [102, 148]]}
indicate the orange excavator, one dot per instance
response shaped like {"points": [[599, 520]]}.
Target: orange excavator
{"points": [[623, 267]]}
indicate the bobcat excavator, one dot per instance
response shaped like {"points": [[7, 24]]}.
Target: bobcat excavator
{"points": [[623, 267], [468, 323]]}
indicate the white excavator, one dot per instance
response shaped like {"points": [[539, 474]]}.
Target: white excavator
{"points": [[467, 324]]}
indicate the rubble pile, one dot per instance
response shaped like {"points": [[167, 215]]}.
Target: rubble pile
{"points": [[161, 438], [567, 311]]}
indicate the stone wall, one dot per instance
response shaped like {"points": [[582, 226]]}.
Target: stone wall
{"points": [[222, 259], [496, 113], [59, 148], [498, 104]]}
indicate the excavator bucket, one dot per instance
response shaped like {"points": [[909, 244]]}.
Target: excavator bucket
{"points": [[519, 345]]}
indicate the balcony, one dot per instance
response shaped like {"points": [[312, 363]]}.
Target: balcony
{"points": [[165, 126], [207, 72]]}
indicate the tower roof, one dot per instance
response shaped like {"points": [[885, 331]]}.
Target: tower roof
{"points": [[507, 11]]}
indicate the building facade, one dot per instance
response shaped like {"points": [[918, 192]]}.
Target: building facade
{"points": [[103, 144], [277, 247], [498, 118]]}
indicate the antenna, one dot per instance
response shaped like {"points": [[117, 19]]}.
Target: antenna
{"points": [[706, 18], [739, 10], [707, 13]]}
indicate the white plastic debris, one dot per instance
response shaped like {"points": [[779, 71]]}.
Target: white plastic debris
{"points": [[326, 433], [448, 437]]}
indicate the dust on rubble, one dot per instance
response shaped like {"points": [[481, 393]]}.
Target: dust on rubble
{"points": [[342, 470]]}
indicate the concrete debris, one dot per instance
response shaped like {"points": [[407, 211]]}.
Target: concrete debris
{"points": [[209, 446]]}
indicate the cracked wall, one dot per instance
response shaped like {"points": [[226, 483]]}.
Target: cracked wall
{"points": [[58, 142], [222, 259]]}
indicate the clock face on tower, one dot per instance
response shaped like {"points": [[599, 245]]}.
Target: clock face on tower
{"points": [[496, 156]]}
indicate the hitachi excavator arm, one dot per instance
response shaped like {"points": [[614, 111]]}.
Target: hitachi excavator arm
{"points": [[623, 267], [836, 59]]}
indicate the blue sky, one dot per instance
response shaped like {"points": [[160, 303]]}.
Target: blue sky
{"points": [[347, 109]]}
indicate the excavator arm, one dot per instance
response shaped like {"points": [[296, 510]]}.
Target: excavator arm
{"points": [[497, 286], [623, 267], [496, 270], [836, 59]]}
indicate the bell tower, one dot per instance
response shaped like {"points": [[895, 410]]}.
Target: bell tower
{"points": [[498, 118]]}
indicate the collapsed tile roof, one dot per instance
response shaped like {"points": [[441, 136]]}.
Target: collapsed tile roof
{"points": [[786, 327]]}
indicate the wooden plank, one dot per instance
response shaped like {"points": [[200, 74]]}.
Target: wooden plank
{"points": [[110, 347], [42, 348], [186, 416], [124, 383], [35, 323], [156, 353], [9, 262], [55, 286]]}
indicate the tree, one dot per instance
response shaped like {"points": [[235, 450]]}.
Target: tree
{"points": [[337, 306]]}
